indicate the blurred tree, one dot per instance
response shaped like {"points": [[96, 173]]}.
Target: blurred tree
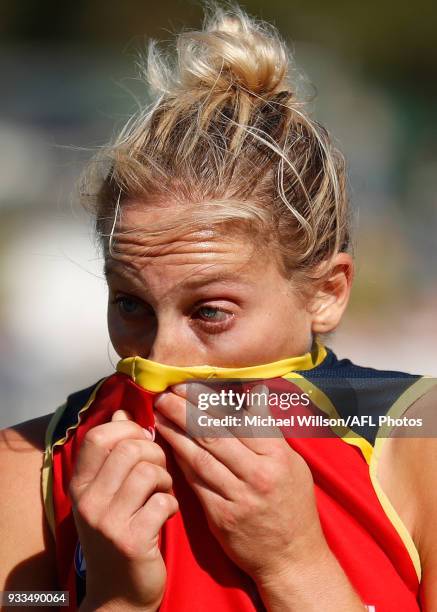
{"points": [[394, 40]]}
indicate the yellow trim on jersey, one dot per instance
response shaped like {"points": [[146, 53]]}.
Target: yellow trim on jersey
{"points": [[46, 474], [47, 470], [322, 401], [157, 377], [404, 401]]}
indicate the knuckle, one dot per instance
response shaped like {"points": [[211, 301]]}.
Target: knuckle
{"points": [[84, 509], [202, 459], [128, 448], [264, 479], [159, 454], [243, 511], [108, 529], [168, 480], [145, 471], [281, 452], [174, 504], [95, 436], [161, 500], [165, 503], [227, 519], [208, 440]]}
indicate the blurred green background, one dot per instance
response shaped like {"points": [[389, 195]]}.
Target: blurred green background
{"points": [[69, 80]]}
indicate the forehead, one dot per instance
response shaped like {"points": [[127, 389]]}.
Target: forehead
{"points": [[140, 245]]}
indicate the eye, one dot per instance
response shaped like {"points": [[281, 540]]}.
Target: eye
{"points": [[210, 313], [213, 319], [128, 305]]}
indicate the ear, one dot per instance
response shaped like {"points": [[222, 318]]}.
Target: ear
{"points": [[332, 296]]}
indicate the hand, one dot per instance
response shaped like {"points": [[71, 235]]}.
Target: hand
{"points": [[257, 493], [121, 496]]}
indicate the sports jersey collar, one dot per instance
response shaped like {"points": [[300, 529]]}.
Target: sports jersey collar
{"points": [[156, 376]]}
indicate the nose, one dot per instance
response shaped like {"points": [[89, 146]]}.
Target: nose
{"points": [[170, 344]]}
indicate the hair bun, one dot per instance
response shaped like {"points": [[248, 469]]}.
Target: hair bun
{"points": [[232, 52]]}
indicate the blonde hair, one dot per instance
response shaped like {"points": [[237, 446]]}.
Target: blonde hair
{"points": [[229, 139]]}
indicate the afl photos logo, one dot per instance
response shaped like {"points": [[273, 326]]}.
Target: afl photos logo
{"points": [[79, 561]]}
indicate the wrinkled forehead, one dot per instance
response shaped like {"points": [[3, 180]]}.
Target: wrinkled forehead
{"points": [[159, 220], [176, 256], [170, 234]]}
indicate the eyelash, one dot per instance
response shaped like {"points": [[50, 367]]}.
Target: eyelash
{"points": [[216, 325], [122, 298]]}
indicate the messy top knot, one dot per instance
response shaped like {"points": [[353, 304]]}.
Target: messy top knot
{"points": [[232, 52], [230, 142]]}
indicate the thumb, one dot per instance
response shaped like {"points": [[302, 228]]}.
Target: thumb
{"points": [[121, 415]]}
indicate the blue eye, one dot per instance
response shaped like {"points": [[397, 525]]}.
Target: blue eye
{"points": [[127, 305], [209, 313]]}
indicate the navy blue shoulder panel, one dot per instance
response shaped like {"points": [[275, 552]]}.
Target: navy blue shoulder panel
{"points": [[358, 390], [75, 401], [331, 366]]}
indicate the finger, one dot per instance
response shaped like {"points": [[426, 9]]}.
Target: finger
{"points": [[192, 394], [185, 414], [121, 460], [151, 517], [96, 446], [219, 441], [254, 428], [143, 480], [214, 503], [211, 499], [202, 459], [124, 415], [265, 436], [121, 415], [232, 451], [180, 389]]}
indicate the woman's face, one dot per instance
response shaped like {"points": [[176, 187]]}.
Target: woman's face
{"points": [[203, 299]]}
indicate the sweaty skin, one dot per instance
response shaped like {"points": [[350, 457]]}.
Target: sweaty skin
{"points": [[200, 299]]}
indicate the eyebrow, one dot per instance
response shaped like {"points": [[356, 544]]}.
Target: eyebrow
{"points": [[110, 268], [202, 280], [199, 280]]}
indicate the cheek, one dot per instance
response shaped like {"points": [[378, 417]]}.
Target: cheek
{"points": [[128, 340], [273, 333], [118, 339], [113, 324]]}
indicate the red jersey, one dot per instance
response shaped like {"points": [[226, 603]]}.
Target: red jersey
{"points": [[360, 525]]}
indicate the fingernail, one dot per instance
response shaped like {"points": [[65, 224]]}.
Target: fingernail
{"points": [[149, 432]]}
